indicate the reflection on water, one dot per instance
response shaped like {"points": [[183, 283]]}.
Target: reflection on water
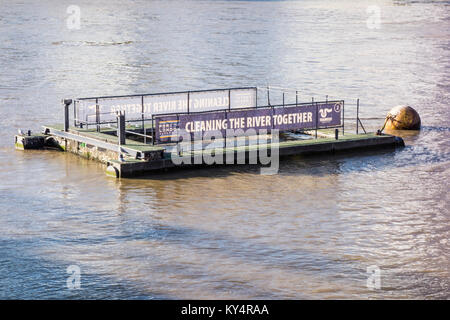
{"points": [[309, 232]]}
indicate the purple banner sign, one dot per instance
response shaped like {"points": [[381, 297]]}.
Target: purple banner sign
{"points": [[282, 118]]}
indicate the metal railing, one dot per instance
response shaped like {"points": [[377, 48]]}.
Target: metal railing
{"points": [[146, 130], [138, 99]]}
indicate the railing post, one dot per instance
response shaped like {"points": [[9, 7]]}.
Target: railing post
{"points": [[97, 115], [296, 98], [225, 137], [188, 98], [121, 127], [67, 103], [357, 115], [317, 117], [343, 117], [75, 113], [142, 112], [153, 129]]}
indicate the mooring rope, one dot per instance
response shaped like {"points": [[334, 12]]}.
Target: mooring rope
{"points": [[388, 117]]}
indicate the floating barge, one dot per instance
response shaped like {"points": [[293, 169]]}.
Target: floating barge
{"points": [[138, 134]]}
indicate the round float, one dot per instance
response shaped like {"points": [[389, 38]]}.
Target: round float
{"points": [[402, 118]]}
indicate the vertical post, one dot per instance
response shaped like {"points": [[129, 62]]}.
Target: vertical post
{"points": [[229, 99], [143, 121], [192, 146], [273, 122], [74, 113], [336, 133], [67, 103], [225, 136], [357, 115], [142, 112], [343, 117], [326, 99], [283, 99], [178, 128], [317, 117], [66, 117], [97, 115], [188, 102], [153, 130], [296, 97], [268, 96], [121, 127]]}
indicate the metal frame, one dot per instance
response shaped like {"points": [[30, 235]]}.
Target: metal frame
{"points": [[98, 113], [150, 135]]}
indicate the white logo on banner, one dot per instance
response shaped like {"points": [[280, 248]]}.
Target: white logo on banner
{"points": [[323, 115], [324, 112]]}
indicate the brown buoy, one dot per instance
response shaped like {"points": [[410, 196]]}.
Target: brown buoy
{"points": [[402, 118]]}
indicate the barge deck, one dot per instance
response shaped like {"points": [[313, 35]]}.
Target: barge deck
{"points": [[140, 158]]}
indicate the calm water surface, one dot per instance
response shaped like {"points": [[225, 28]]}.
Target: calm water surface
{"points": [[309, 232]]}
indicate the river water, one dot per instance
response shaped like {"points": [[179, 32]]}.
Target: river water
{"points": [[310, 231]]}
